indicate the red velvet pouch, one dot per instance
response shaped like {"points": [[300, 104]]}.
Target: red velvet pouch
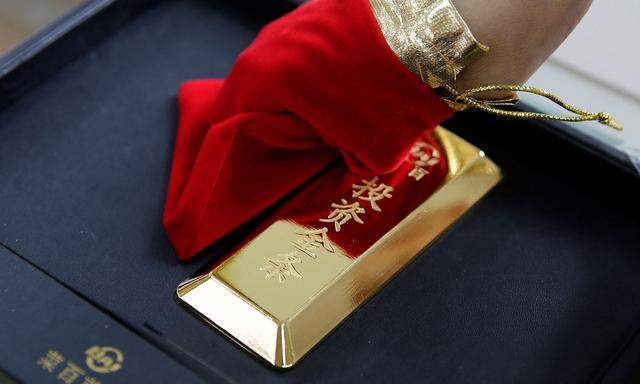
{"points": [[316, 84]]}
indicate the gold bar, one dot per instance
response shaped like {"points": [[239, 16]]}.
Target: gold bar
{"points": [[282, 317]]}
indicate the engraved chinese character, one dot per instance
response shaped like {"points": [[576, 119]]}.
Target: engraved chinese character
{"points": [[418, 173], [313, 240], [51, 360], [372, 192], [90, 380], [282, 267], [343, 213], [70, 373], [425, 155]]}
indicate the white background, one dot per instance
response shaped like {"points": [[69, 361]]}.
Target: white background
{"points": [[598, 68]]}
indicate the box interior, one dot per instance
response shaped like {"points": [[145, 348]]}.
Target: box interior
{"points": [[33, 303], [537, 283]]}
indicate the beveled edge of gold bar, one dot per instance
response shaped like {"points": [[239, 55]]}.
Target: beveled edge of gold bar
{"points": [[283, 342], [240, 319]]}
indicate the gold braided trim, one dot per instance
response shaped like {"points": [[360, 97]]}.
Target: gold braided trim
{"points": [[429, 37], [580, 115]]}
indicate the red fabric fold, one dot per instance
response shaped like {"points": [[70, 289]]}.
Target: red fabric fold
{"points": [[316, 84]]}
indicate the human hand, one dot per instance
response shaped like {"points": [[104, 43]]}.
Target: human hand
{"points": [[521, 35]]}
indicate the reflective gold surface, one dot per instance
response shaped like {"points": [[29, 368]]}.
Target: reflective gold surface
{"points": [[282, 322]]}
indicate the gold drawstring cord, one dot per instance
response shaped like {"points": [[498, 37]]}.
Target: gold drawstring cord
{"points": [[466, 97]]}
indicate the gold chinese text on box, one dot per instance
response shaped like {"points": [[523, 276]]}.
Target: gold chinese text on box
{"points": [[99, 360], [302, 274]]}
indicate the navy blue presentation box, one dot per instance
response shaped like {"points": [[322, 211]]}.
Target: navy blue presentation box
{"points": [[538, 283]]}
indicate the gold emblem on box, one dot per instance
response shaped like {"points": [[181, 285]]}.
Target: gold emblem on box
{"points": [[279, 305]]}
